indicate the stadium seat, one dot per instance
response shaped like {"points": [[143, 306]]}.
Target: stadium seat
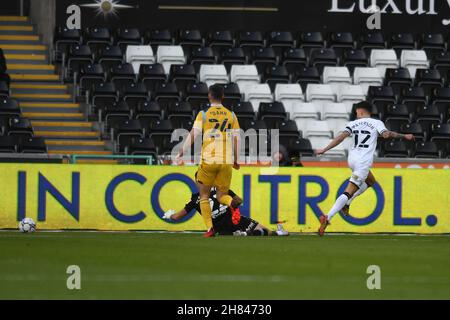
{"points": [[429, 80], [79, 56], [201, 55], [321, 58], [232, 56], [402, 41], [220, 39], [341, 41], [337, 125], [32, 145], [399, 79], [272, 113], [441, 99], [426, 149], [232, 94], [125, 37], [245, 113], [182, 75], [317, 128], [9, 107], [311, 40], [427, 115], [394, 149], [161, 132], [255, 94], [148, 112], [288, 132], [380, 97], [332, 110], [122, 74], [110, 56], [4, 90], [197, 95], [65, 38], [440, 132], [211, 74], [8, 144], [263, 58], [114, 114], [413, 60], [288, 94], [124, 131], [152, 75], [367, 77], [90, 75], [244, 76], [275, 75], [304, 112], [336, 76], [137, 55], [350, 94], [181, 115], [103, 94], [300, 147], [432, 44], [157, 37], [294, 59], [441, 62], [280, 41], [249, 40], [166, 93], [395, 116], [355, 58], [97, 38], [307, 75], [20, 127], [415, 129], [169, 55], [134, 93], [413, 96], [383, 59], [372, 40], [322, 92], [190, 39], [142, 146]]}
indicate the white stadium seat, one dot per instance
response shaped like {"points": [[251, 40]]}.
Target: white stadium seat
{"points": [[288, 94], [336, 75], [305, 110], [321, 92], [337, 125], [367, 77], [317, 128], [334, 111], [350, 94], [413, 60], [213, 73], [168, 55], [319, 142], [257, 93], [244, 75], [137, 55], [338, 151], [383, 59]]}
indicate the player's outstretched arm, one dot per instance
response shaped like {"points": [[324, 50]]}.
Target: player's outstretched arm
{"points": [[336, 141], [174, 216], [393, 135], [189, 141]]}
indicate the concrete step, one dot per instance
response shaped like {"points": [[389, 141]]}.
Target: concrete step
{"points": [[15, 38], [65, 125], [18, 19], [22, 88], [53, 115], [67, 134], [33, 77], [12, 29], [24, 49], [49, 107], [21, 58], [75, 143]]}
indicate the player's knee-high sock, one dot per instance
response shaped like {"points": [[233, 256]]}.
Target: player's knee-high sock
{"points": [[205, 208], [361, 189], [226, 200], [338, 205]]}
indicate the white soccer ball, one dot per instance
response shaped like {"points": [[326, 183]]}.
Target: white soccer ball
{"points": [[27, 225]]}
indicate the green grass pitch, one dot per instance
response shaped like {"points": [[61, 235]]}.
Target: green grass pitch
{"points": [[187, 266]]}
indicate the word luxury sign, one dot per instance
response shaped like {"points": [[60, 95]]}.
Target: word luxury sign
{"points": [[411, 7]]}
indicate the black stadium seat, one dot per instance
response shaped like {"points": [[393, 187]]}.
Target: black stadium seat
{"points": [[300, 147], [20, 127], [427, 149], [372, 40], [122, 75], [190, 39], [110, 56], [429, 80], [32, 145], [201, 55], [142, 146], [272, 113], [124, 131], [432, 43], [294, 59], [161, 132], [399, 79], [402, 41], [197, 95], [230, 56], [310, 40], [79, 56], [166, 93], [248, 40], [90, 75], [152, 75], [148, 112], [134, 93], [264, 58], [414, 129], [9, 107], [440, 132], [156, 37], [182, 75], [307, 75], [320, 58], [181, 115], [116, 113], [274, 75], [220, 39], [394, 149], [125, 37], [354, 58], [97, 38], [103, 94]]}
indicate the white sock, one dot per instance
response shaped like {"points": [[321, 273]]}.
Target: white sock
{"points": [[338, 205], [363, 188]]}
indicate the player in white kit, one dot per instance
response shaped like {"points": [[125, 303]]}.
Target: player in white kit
{"points": [[365, 132]]}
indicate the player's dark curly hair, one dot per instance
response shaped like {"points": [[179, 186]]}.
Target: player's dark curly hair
{"points": [[216, 92], [363, 105]]}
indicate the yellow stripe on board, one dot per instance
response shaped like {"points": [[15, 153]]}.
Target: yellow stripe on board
{"points": [[37, 47], [49, 105], [13, 18], [72, 134], [16, 28], [74, 143], [62, 124], [40, 57], [19, 76], [51, 115], [41, 96], [14, 37], [23, 66], [37, 86]]}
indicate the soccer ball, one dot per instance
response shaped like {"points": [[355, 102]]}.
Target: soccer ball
{"points": [[27, 225]]}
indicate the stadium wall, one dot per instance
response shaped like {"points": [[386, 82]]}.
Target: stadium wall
{"points": [[105, 197], [264, 15]]}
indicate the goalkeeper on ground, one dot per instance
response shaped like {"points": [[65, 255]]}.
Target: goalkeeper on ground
{"points": [[222, 218]]}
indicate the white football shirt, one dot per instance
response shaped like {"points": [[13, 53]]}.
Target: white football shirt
{"points": [[365, 132]]}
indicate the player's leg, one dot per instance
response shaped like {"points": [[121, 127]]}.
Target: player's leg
{"points": [[222, 182], [204, 178], [370, 181], [340, 202]]}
